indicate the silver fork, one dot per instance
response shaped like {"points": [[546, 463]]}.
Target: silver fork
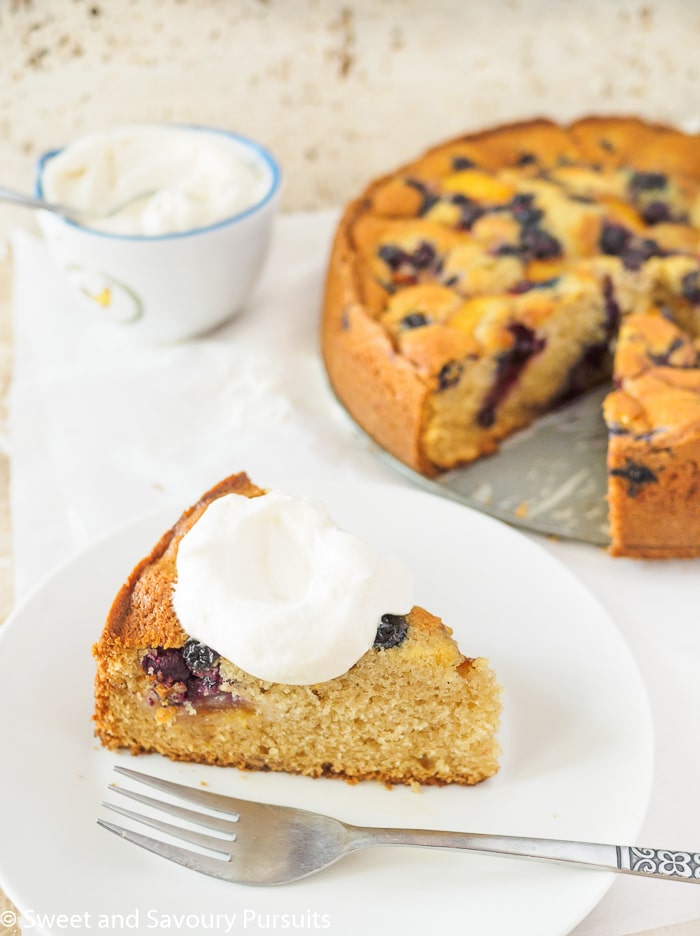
{"points": [[260, 843]]}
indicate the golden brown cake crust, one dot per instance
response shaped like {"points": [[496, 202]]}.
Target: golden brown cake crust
{"points": [[386, 380], [143, 589], [382, 391]]}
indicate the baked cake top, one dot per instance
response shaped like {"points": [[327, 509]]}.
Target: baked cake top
{"points": [[509, 224], [529, 207]]}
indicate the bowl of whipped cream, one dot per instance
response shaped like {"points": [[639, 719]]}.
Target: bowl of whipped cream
{"points": [[175, 224]]}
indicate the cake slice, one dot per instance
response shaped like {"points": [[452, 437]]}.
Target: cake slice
{"points": [[412, 709], [654, 448]]}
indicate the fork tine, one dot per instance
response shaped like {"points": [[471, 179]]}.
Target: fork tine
{"points": [[217, 801], [214, 867], [190, 815], [222, 846]]}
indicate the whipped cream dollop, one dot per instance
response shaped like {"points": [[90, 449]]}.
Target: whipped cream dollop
{"points": [[276, 587], [168, 179]]}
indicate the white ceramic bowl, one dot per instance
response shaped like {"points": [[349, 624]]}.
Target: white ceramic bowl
{"points": [[172, 286]]}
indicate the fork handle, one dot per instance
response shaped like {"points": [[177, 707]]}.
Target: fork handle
{"points": [[624, 859]]}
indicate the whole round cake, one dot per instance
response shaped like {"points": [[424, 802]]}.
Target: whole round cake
{"points": [[507, 271]]}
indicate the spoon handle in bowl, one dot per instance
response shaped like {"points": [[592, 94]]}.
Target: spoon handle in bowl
{"points": [[28, 201]]}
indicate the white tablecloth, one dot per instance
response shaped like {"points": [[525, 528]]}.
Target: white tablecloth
{"points": [[103, 431]]}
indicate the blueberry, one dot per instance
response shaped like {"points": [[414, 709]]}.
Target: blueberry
{"points": [[509, 366], [391, 632], [614, 238], [449, 375], [639, 252], [656, 212], [636, 475], [414, 320], [606, 145], [204, 684], [526, 343], [524, 286], [690, 287], [462, 162], [612, 308], [167, 666], [522, 201], [198, 656], [393, 256], [539, 244], [526, 159], [524, 212], [665, 358], [486, 416], [586, 370], [429, 198], [469, 211], [507, 250], [546, 284], [529, 217], [646, 182], [423, 256]]}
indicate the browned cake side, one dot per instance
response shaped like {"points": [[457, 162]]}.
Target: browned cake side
{"points": [[382, 391], [485, 282], [654, 447], [416, 712]]}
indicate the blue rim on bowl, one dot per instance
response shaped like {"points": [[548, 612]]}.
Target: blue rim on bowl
{"points": [[266, 156]]}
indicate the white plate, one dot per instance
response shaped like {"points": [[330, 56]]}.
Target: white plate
{"points": [[576, 735]]}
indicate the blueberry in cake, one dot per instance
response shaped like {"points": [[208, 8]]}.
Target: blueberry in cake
{"points": [[412, 709], [490, 280]]}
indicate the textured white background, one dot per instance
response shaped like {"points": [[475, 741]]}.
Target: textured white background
{"points": [[339, 90]]}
